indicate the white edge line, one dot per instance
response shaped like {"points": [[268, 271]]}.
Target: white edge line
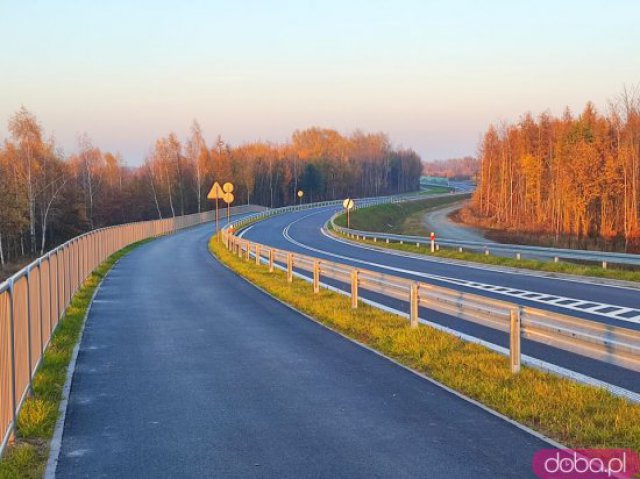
{"points": [[457, 281], [595, 281], [458, 394], [482, 286], [528, 360], [534, 362], [55, 445]]}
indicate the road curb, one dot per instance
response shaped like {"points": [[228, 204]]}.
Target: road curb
{"points": [[55, 444]]}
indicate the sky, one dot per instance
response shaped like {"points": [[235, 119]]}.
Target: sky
{"points": [[431, 74]]}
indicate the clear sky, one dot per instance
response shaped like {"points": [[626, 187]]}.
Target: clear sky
{"points": [[432, 74]]}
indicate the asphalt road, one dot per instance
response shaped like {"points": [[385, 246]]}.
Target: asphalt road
{"points": [[186, 370], [301, 232], [438, 221]]}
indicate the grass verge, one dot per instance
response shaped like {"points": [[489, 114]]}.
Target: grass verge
{"points": [[406, 219], [27, 457], [392, 216], [531, 264], [434, 190], [571, 413]]}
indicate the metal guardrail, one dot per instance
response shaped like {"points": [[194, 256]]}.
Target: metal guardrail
{"points": [[611, 344], [360, 203], [517, 251], [33, 301]]}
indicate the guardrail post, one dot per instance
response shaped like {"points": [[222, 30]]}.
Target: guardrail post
{"points": [[354, 289], [289, 267], [271, 254], [316, 276], [239, 250], [514, 341], [248, 251], [414, 300], [556, 259], [460, 250], [257, 254], [518, 256], [486, 252], [604, 265]]}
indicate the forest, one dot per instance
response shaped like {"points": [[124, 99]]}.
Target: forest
{"points": [[569, 176], [47, 197]]}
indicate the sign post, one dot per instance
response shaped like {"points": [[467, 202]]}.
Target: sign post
{"points": [[216, 193], [228, 197], [348, 205], [433, 242]]}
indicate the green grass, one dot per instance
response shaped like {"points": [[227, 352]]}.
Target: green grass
{"points": [[574, 414], [536, 265], [27, 456], [433, 190], [391, 217]]}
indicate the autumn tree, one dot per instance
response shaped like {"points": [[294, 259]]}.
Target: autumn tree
{"points": [[568, 176], [27, 134], [47, 198]]}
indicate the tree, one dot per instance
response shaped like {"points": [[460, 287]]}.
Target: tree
{"points": [[88, 164], [47, 198], [575, 177], [26, 131], [198, 155]]}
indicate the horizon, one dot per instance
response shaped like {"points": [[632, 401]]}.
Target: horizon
{"points": [[432, 77]]}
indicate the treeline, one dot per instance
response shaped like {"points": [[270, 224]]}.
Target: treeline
{"points": [[465, 168], [572, 176], [47, 197]]}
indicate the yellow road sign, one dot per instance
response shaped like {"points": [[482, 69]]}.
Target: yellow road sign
{"points": [[228, 187], [348, 203], [300, 193], [228, 198], [216, 192]]}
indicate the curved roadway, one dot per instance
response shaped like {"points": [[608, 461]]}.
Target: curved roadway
{"points": [[301, 232], [186, 370], [438, 221]]}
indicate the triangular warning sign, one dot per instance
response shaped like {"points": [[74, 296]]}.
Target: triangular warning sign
{"points": [[216, 192]]}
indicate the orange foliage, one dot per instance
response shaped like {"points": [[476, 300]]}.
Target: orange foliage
{"points": [[565, 176]]}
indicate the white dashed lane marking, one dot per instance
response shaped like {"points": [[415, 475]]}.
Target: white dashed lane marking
{"points": [[611, 311], [592, 307]]}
